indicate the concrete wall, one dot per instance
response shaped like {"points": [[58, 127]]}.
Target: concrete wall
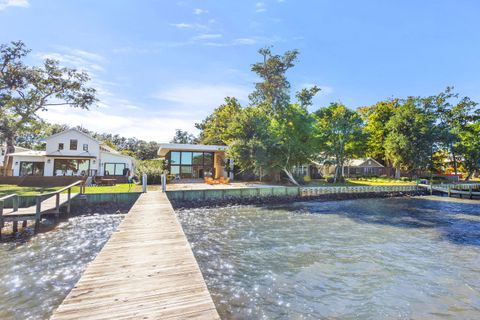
{"points": [[221, 194]]}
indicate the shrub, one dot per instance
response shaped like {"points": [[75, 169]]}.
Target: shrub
{"points": [[307, 179], [153, 168]]}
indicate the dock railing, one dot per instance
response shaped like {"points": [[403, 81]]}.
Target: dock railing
{"points": [[35, 212], [15, 200], [57, 193]]}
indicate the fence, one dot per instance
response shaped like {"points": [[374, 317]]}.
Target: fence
{"points": [[316, 191]]}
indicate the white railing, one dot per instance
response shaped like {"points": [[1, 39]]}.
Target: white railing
{"points": [[315, 191]]}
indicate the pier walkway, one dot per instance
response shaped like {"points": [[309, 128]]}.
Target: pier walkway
{"points": [[146, 270], [469, 190]]}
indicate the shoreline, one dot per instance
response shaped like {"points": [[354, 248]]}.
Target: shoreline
{"points": [[189, 204]]}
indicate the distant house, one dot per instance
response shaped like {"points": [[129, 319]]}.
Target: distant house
{"points": [[71, 153], [352, 168], [194, 161]]}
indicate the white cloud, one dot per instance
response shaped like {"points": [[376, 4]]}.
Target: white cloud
{"points": [[142, 125], [199, 11], [199, 99], [207, 36], [76, 58], [260, 7], [182, 25], [13, 3], [245, 41]]}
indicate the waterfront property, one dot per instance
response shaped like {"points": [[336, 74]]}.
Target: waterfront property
{"points": [[364, 167], [194, 162], [70, 153]]}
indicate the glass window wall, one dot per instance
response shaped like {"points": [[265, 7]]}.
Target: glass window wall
{"points": [[190, 165]]}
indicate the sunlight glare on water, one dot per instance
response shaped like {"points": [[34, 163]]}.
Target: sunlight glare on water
{"points": [[362, 259], [35, 276]]}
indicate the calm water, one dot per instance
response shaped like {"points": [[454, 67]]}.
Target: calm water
{"points": [[362, 259], [36, 275]]}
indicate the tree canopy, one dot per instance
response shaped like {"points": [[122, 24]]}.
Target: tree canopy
{"points": [[27, 90]]}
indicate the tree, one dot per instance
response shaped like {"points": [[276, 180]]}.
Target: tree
{"points": [[339, 133], [272, 94], [251, 141], [376, 118], [451, 119], [292, 136], [411, 136], [25, 91], [470, 148], [305, 96], [215, 128], [183, 137]]}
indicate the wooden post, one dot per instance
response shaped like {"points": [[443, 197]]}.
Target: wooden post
{"points": [[38, 213], [1, 218], [15, 226], [57, 206], [68, 201], [24, 224], [15, 201]]}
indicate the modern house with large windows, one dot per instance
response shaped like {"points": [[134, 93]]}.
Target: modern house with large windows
{"points": [[71, 153], [195, 161]]}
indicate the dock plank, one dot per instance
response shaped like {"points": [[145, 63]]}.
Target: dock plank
{"points": [[146, 270], [47, 206]]}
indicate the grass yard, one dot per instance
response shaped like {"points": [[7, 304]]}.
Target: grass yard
{"points": [[121, 187], [362, 182], [6, 189]]}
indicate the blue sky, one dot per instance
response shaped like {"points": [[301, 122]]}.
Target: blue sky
{"points": [[162, 65]]}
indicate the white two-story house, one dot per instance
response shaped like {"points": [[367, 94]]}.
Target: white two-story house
{"points": [[71, 153]]}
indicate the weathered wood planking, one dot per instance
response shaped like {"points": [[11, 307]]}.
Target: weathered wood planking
{"points": [[47, 206], [146, 270]]}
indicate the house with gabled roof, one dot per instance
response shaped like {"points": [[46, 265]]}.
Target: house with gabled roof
{"points": [[71, 153]]}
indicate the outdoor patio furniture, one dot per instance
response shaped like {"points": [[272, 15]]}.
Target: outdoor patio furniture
{"points": [[109, 182]]}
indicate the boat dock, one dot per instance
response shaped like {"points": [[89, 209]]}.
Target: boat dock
{"points": [[467, 189], [46, 204], [146, 270]]}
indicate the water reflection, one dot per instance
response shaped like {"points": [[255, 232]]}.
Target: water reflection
{"points": [[36, 275], [360, 259]]}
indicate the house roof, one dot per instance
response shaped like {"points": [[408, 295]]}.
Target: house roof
{"points": [[166, 147], [72, 129], [362, 161], [28, 153]]}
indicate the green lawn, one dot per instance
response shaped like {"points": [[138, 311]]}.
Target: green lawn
{"points": [[6, 189], [362, 182], [121, 187]]}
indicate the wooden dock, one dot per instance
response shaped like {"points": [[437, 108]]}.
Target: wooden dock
{"points": [[46, 204], [461, 190], [146, 270]]}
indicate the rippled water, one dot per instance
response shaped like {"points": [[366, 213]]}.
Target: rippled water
{"points": [[35, 276], [363, 259]]}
